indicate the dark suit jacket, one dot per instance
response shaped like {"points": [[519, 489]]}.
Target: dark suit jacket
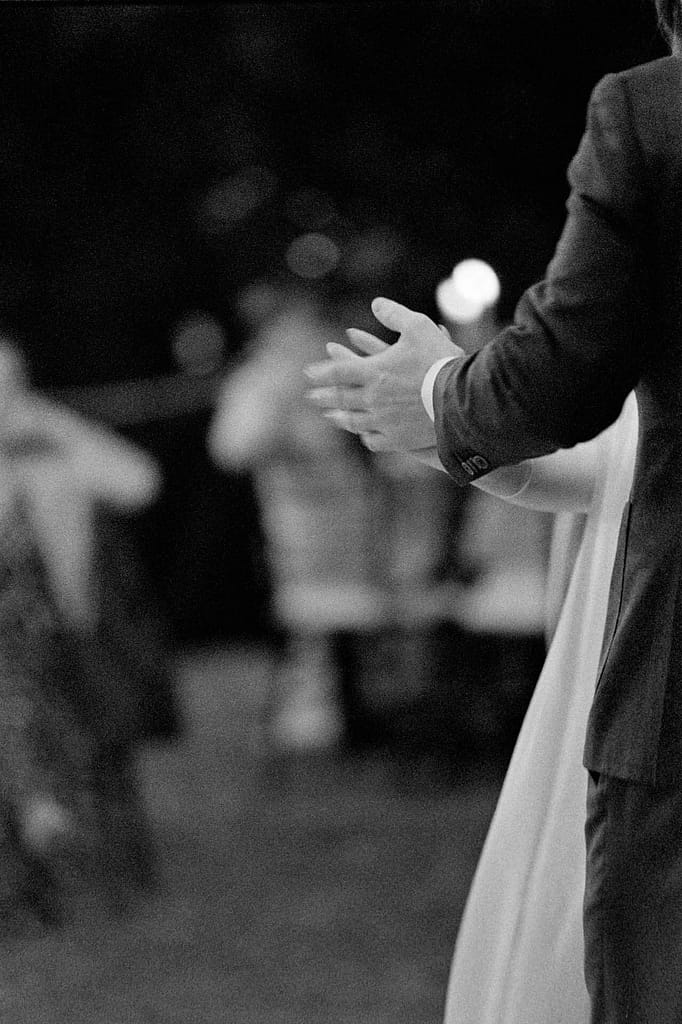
{"points": [[607, 318]]}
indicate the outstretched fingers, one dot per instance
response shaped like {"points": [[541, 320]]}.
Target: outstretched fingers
{"points": [[338, 398], [354, 422], [340, 352], [338, 383], [337, 373], [394, 316], [365, 342]]}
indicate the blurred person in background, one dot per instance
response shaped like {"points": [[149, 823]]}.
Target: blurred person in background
{"points": [[74, 691], [604, 321], [353, 607], [317, 497]]}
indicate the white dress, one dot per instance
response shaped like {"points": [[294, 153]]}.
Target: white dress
{"points": [[519, 951]]}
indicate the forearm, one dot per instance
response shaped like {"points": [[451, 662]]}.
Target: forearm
{"points": [[547, 484], [546, 382], [561, 482], [509, 482], [559, 374]]}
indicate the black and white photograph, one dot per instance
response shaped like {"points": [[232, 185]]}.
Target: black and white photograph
{"points": [[341, 512]]}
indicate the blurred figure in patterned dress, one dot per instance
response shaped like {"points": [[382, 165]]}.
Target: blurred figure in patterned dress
{"points": [[73, 831]]}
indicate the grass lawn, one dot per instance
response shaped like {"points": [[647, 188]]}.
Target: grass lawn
{"points": [[324, 890]]}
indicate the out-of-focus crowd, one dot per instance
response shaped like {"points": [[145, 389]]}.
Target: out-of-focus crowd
{"points": [[150, 207], [365, 553]]}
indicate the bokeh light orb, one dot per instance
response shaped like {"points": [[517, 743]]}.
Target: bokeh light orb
{"points": [[236, 198], [313, 256], [198, 343], [471, 289]]}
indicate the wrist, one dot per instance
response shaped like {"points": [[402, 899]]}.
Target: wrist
{"points": [[428, 383]]}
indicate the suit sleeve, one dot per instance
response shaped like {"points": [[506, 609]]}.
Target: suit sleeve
{"points": [[561, 372]]}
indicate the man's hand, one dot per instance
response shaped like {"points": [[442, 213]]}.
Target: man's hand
{"points": [[379, 396]]}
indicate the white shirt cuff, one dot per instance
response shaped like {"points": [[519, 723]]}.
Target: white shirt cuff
{"points": [[428, 383]]}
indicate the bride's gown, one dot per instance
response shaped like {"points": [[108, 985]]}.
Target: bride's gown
{"points": [[519, 952]]}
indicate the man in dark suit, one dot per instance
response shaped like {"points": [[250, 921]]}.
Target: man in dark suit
{"points": [[606, 319]]}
